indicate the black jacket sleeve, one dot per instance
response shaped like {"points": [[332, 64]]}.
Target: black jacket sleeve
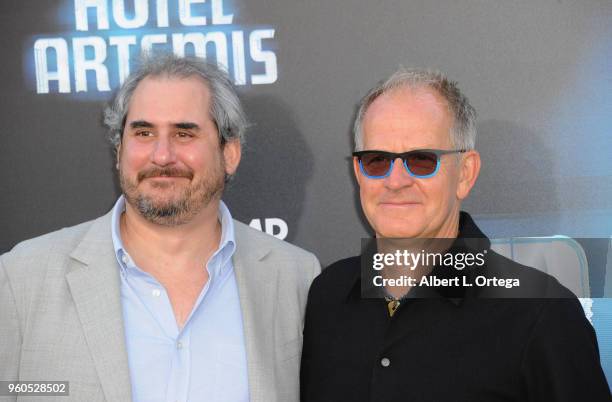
{"points": [[561, 357]]}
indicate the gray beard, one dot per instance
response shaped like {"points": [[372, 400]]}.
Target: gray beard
{"points": [[177, 212]]}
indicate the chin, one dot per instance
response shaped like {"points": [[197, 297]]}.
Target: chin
{"points": [[397, 235], [399, 226], [397, 230], [157, 198]]}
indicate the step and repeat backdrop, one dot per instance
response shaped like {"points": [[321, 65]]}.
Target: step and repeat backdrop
{"points": [[538, 72]]}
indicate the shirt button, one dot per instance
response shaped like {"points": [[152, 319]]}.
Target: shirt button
{"points": [[156, 292], [385, 362], [124, 259], [179, 345]]}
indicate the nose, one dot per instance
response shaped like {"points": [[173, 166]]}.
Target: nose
{"points": [[164, 153], [399, 176]]}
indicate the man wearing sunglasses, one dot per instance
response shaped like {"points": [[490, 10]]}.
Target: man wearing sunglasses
{"points": [[415, 163]]}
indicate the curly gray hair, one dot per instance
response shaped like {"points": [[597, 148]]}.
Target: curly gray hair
{"points": [[225, 110]]}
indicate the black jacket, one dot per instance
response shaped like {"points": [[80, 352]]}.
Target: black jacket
{"points": [[465, 345]]}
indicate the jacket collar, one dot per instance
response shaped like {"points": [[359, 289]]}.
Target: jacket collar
{"points": [[94, 283]]}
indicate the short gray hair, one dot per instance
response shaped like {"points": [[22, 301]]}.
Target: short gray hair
{"points": [[225, 108], [463, 132]]}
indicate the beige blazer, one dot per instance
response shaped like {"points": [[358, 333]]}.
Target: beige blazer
{"points": [[61, 316]]}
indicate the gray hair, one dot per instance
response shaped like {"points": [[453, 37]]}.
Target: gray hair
{"points": [[225, 109], [463, 132]]}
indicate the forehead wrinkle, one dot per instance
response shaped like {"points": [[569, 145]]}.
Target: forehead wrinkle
{"points": [[405, 100], [407, 116]]}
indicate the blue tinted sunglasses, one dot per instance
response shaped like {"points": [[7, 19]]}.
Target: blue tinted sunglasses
{"points": [[420, 163]]}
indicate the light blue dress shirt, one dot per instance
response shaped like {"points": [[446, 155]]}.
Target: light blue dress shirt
{"points": [[203, 361]]}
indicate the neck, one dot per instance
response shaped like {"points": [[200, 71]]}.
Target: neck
{"points": [[450, 229], [171, 247]]}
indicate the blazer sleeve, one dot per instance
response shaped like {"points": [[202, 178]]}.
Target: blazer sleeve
{"points": [[561, 357], [10, 333], [316, 268]]}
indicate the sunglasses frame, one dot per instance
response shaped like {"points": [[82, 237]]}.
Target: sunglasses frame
{"points": [[404, 156]]}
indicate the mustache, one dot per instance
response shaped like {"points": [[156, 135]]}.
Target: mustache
{"points": [[165, 172]]}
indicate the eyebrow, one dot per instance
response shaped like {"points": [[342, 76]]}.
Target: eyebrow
{"points": [[183, 125], [140, 124]]}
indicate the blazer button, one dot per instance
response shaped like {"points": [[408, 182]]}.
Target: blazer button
{"points": [[385, 362]]}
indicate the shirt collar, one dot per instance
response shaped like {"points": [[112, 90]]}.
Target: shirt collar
{"points": [[227, 244]]}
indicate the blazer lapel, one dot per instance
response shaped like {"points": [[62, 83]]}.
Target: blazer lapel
{"points": [[95, 287], [257, 288]]}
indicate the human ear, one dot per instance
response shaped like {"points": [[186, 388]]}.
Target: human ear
{"points": [[468, 173], [232, 152]]}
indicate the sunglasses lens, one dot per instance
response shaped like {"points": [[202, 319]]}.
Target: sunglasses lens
{"points": [[375, 164], [422, 163]]}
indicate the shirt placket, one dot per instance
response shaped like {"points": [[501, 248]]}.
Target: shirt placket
{"points": [[178, 384], [155, 298], [180, 372]]}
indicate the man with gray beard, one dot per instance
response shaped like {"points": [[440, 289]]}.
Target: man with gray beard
{"points": [[166, 297]]}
